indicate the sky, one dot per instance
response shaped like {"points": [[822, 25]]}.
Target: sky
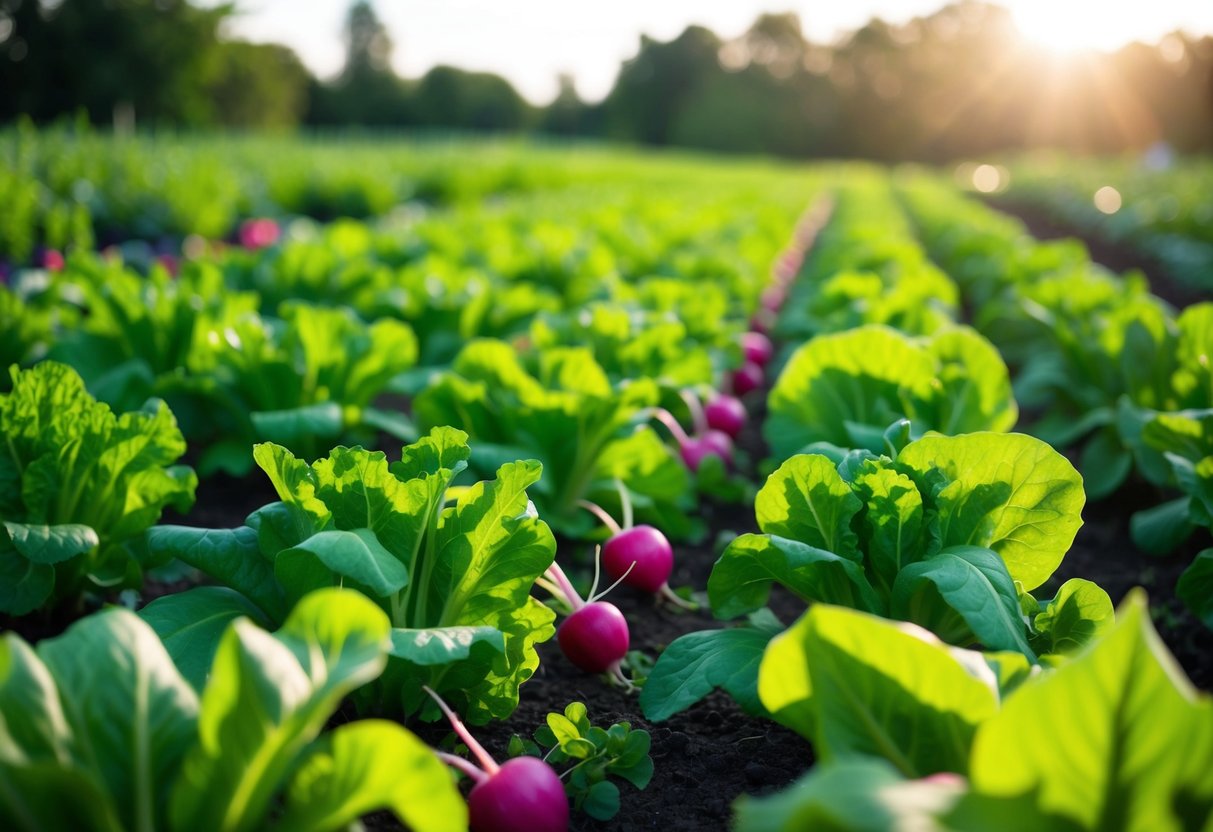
{"points": [[531, 42]]}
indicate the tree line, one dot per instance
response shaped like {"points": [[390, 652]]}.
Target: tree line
{"points": [[958, 82]]}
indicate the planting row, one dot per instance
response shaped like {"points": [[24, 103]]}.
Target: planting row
{"points": [[592, 397]]}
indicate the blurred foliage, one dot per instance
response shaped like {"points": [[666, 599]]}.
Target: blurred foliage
{"points": [[958, 82]]}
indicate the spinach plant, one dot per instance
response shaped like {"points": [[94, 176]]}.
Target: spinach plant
{"points": [[951, 533], [79, 485], [99, 730], [451, 568]]}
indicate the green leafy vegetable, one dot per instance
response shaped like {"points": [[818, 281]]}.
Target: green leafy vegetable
{"points": [[79, 485], [454, 579], [99, 730]]}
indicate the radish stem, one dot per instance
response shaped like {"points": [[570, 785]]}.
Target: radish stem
{"points": [[566, 586], [669, 595], [667, 418], [466, 766], [486, 761], [601, 513], [625, 504], [696, 407]]}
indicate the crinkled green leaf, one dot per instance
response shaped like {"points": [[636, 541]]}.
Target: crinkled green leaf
{"points": [[806, 500], [1007, 492]]}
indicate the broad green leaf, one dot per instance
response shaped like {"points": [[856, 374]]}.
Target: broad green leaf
{"points": [[369, 766], [969, 582], [1162, 529], [1078, 615], [229, 555], [1028, 504], [298, 425], [51, 544], [855, 376], [806, 500], [971, 390], [860, 795], [741, 580], [892, 531], [191, 624], [131, 714], [24, 585], [602, 801], [696, 664], [1115, 738], [32, 722], [860, 686], [43, 795], [442, 645], [267, 698], [1195, 587], [335, 558]]}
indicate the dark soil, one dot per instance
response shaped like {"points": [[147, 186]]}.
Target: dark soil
{"points": [[1118, 257]]}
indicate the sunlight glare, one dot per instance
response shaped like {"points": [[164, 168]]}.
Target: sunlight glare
{"points": [[1071, 26]]}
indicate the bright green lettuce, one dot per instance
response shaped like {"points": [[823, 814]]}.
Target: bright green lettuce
{"points": [[79, 485], [845, 389], [950, 535], [452, 573], [1113, 739], [567, 414], [99, 731], [306, 382]]}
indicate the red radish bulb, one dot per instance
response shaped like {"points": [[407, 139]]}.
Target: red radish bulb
{"points": [[726, 414], [713, 443], [595, 637], [757, 347], [749, 378], [645, 551], [259, 233], [52, 260], [523, 795]]}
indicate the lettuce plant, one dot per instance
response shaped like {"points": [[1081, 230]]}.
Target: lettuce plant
{"points": [[79, 485], [305, 381], [25, 330], [844, 390], [951, 534], [909, 732], [587, 432], [99, 730], [451, 568], [138, 332]]}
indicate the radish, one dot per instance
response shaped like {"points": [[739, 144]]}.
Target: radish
{"points": [[52, 260], [694, 449], [639, 556], [757, 347], [523, 795], [726, 413], [595, 635], [748, 378]]}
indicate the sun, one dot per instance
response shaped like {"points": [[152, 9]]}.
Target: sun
{"points": [[1070, 26]]}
